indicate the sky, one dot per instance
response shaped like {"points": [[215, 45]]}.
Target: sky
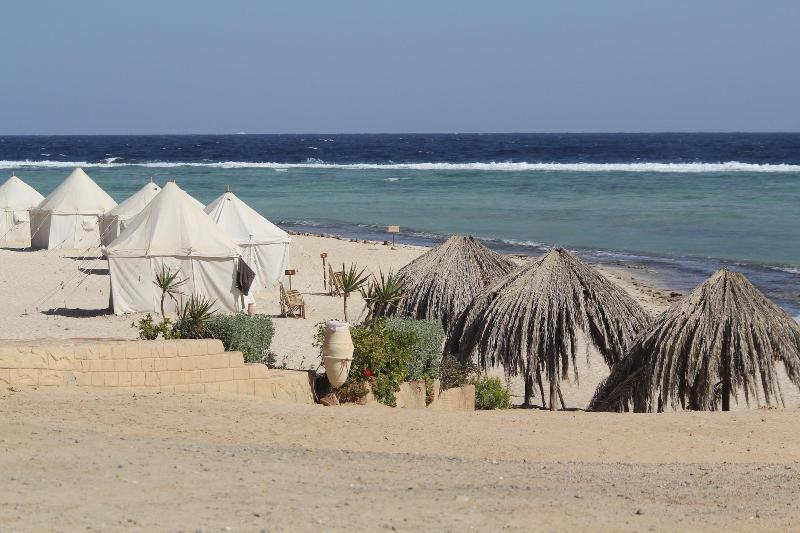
{"points": [[100, 67]]}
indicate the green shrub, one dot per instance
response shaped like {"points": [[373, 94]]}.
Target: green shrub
{"points": [[193, 318], [251, 335], [149, 331], [380, 358], [453, 373], [426, 349], [490, 393]]}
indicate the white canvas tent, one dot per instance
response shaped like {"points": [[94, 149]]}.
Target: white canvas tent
{"points": [[113, 222], [265, 247], [16, 198], [69, 216], [172, 231]]}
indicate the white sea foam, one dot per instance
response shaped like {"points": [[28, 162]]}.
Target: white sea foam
{"points": [[789, 269], [730, 166]]}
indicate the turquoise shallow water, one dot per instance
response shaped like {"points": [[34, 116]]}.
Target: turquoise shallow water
{"points": [[739, 216]]}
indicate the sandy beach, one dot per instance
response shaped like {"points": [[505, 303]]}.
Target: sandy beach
{"points": [[123, 461], [98, 461]]}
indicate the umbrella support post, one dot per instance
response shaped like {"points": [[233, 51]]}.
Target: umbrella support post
{"points": [[528, 390], [541, 386], [553, 393], [561, 399]]}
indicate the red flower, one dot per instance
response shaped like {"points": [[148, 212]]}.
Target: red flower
{"points": [[367, 373]]}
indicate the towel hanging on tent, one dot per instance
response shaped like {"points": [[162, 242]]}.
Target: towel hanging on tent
{"points": [[244, 276]]}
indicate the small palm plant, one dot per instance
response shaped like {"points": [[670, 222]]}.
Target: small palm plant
{"points": [[194, 316], [169, 283], [383, 294], [352, 280]]}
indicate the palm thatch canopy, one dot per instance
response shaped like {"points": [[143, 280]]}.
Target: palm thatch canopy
{"points": [[723, 337], [528, 321], [439, 284]]}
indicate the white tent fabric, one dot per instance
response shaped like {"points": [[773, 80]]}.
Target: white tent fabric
{"points": [[113, 222], [69, 216], [16, 198], [265, 247], [172, 231]]}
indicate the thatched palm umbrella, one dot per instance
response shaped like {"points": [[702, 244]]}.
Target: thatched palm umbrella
{"points": [[439, 284], [528, 321], [723, 338]]}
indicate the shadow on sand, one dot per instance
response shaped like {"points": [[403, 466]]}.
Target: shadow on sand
{"points": [[76, 313], [95, 271]]}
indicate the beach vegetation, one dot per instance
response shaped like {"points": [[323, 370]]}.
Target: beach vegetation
{"points": [[194, 318], [353, 280], [454, 373], [426, 347], [382, 294], [251, 335], [169, 284], [150, 331], [381, 357], [490, 393]]}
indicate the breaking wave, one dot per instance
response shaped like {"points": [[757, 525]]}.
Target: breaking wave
{"points": [[730, 166]]}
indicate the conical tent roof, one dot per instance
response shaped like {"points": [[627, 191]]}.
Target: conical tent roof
{"points": [[444, 280], [530, 318], [243, 223], [78, 194], [724, 334], [17, 195], [172, 225], [136, 202]]}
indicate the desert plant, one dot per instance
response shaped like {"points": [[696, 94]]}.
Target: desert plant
{"points": [[426, 348], [169, 283], [380, 360], [352, 281], [149, 331], [490, 393], [383, 294], [194, 317], [250, 335], [453, 373]]}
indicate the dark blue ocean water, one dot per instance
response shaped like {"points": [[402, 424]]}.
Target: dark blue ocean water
{"points": [[679, 204]]}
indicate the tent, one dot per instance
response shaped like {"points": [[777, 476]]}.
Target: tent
{"points": [[16, 198], [69, 216], [265, 247], [173, 232], [113, 222]]}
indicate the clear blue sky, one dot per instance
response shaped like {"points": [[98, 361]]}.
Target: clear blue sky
{"points": [[172, 66]]}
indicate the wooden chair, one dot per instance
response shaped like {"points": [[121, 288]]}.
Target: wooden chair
{"points": [[335, 282], [292, 303]]}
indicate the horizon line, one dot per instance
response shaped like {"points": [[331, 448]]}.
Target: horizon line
{"points": [[243, 133]]}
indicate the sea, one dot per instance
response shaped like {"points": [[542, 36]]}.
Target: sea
{"points": [[677, 205]]}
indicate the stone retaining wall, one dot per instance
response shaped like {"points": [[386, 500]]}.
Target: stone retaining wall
{"points": [[177, 365]]}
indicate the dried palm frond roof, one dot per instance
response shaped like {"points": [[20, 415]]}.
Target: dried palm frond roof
{"points": [[440, 283], [530, 318], [680, 360]]}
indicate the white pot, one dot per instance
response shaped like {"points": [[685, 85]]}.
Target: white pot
{"points": [[337, 351]]}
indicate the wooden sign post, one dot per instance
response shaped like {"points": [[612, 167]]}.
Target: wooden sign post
{"points": [[290, 272], [323, 255], [393, 230]]}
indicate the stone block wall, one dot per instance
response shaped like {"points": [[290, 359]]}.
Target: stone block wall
{"points": [[199, 366]]}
